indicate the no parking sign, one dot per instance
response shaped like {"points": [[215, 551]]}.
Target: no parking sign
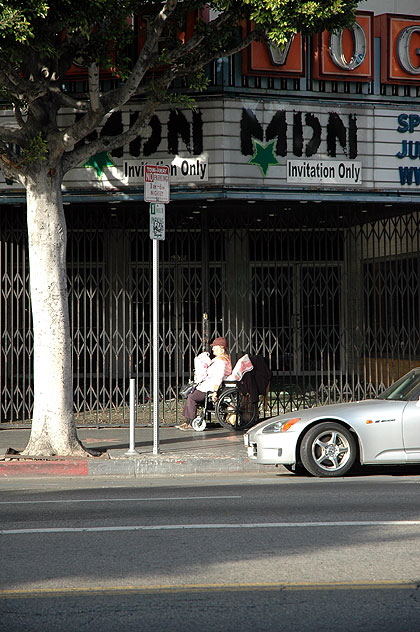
{"points": [[156, 183]]}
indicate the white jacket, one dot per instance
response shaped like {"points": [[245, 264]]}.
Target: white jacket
{"points": [[217, 371]]}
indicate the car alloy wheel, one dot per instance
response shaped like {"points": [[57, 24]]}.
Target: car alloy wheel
{"points": [[328, 449]]}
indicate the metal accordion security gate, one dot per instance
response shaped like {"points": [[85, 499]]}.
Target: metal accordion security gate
{"points": [[329, 295]]}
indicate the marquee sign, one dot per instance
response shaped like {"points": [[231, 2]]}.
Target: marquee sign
{"points": [[400, 48], [268, 145], [261, 58], [346, 55]]}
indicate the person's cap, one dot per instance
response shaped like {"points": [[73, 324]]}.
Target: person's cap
{"points": [[220, 342]]}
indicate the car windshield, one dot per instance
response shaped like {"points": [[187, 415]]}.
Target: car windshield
{"points": [[407, 388]]}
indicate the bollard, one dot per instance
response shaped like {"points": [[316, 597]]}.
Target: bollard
{"points": [[132, 448]]}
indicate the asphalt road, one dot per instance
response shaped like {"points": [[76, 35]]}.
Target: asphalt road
{"points": [[215, 553]]}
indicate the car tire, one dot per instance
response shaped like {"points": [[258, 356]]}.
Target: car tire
{"points": [[328, 449]]}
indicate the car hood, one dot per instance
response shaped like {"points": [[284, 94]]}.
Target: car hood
{"points": [[344, 411]]}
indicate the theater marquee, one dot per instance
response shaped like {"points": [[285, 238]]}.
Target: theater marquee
{"points": [[346, 55], [263, 145]]}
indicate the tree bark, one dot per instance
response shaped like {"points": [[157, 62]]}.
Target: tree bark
{"points": [[53, 426]]}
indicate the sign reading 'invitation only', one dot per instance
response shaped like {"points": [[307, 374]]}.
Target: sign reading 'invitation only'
{"points": [[324, 172]]}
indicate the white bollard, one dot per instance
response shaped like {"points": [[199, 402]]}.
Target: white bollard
{"points": [[132, 448]]}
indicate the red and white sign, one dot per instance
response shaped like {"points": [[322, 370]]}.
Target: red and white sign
{"points": [[346, 54], [156, 183], [262, 58], [400, 48]]}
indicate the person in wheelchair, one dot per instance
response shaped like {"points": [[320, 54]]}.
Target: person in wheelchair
{"points": [[219, 368]]}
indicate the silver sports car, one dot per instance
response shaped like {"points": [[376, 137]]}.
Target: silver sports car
{"points": [[329, 440]]}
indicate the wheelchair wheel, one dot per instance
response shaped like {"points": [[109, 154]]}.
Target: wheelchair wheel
{"points": [[199, 424], [234, 410]]}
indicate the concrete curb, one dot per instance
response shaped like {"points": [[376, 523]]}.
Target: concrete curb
{"points": [[171, 465], [212, 452], [137, 466]]}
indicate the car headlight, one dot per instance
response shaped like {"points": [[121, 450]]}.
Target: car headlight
{"points": [[281, 426]]}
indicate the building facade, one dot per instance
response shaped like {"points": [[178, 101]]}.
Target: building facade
{"points": [[292, 229]]}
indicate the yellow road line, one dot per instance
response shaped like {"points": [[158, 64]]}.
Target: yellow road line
{"points": [[168, 588]]}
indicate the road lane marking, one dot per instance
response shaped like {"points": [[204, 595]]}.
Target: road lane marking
{"points": [[113, 500], [178, 527], [22, 593]]}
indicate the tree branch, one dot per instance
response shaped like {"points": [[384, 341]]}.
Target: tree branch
{"points": [[12, 135], [22, 89], [202, 58], [121, 95], [10, 164], [66, 101], [107, 143], [93, 76], [18, 115], [114, 99]]}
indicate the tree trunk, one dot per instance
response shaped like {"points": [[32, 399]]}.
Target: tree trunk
{"points": [[53, 426]]}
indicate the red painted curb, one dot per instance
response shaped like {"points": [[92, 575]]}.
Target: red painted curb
{"points": [[73, 467]]}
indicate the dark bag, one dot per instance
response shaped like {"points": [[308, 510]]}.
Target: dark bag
{"points": [[188, 388]]}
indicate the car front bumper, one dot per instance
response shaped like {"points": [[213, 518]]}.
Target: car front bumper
{"points": [[272, 448]]}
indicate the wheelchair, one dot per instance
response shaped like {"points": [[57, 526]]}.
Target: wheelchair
{"points": [[233, 409]]}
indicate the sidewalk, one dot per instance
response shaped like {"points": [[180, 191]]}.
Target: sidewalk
{"points": [[215, 450]]}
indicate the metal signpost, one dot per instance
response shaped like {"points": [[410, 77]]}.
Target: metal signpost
{"points": [[156, 191]]}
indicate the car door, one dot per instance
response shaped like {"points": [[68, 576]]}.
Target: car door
{"points": [[379, 425], [411, 430]]}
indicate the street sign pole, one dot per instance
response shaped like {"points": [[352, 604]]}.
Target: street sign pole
{"points": [[157, 234], [156, 191], [155, 346]]}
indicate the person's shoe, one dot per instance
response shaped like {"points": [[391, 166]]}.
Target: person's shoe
{"points": [[184, 426]]}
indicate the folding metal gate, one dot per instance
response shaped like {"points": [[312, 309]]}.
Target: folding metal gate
{"points": [[329, 296]]}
